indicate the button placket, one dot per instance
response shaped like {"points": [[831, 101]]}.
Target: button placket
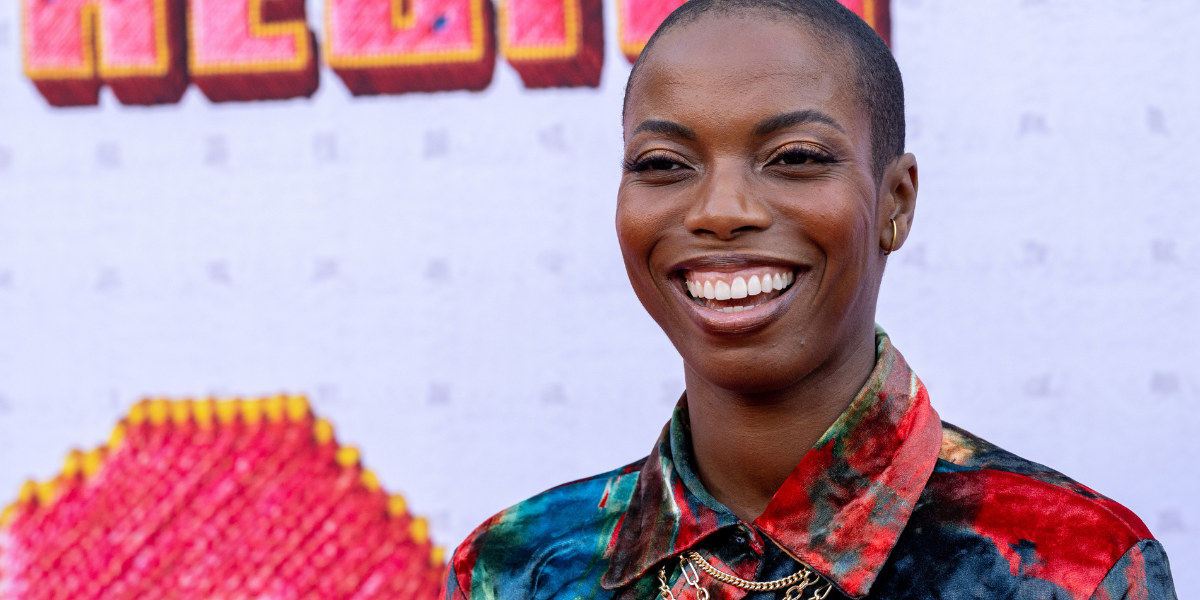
{"points": [[755, 540]]}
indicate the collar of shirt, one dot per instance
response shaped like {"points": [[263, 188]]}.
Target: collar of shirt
{"points": [[840, 511]]}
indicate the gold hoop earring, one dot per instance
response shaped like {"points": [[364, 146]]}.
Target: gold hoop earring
{"points": [[892, 246]]}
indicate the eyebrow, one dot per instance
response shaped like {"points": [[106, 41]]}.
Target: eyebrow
{"points": [[792, 119], [669, 128]]}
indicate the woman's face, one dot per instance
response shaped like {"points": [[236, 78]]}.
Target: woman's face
{"points": [[747, 209]]}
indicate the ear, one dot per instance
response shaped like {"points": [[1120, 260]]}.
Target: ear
{"points": [[897, 200]]}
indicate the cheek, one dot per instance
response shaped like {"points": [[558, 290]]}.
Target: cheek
{"points": [[838, 222], [630, 227], [639, 226], [636, 234]]}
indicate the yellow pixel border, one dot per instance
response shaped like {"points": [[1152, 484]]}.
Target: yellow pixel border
{"points": [[404, 13], [297, 28], [208, 413], [407, 59], [90, 29], [628, 50], [572, 34]]}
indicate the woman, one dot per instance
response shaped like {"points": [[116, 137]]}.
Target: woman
{"points": [[765, 185]]}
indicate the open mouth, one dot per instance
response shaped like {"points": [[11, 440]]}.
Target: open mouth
{"points": [[737, 291]]}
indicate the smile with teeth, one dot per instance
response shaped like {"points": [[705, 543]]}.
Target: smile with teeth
{"points": [[737, 291]]}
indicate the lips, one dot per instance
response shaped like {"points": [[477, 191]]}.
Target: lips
{"points": [[729, 295]]}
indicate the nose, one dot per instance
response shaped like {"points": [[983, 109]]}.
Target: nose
{"points": [[726, 207]]}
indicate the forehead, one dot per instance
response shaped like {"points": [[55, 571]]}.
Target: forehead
{"points": [[725, 67]]}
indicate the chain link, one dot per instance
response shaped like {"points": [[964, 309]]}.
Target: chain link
{"points": [[688, 562], [664, 590], [693, 578]]}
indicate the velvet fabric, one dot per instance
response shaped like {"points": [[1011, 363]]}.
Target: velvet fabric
{"points": [[890, 503]]}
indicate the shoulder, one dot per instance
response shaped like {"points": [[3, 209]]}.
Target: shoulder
{"points": [[1025, 486], [1016, 525], [517, 551]]}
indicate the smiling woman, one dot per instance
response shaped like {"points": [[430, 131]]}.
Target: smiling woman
{"points": [[765, 184]]}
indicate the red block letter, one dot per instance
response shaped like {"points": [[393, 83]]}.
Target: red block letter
{"points": [[399, 46], [639, 18], [553, 43], [139, 44], [242, 50]]}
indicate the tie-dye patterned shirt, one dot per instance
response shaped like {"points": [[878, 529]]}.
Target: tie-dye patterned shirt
{"points": [[890, 503]]}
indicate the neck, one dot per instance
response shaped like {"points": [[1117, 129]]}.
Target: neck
{"points": [[746, 445]]}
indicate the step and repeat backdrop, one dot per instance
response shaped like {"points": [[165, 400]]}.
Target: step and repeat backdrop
{"points": [[267, 266]]}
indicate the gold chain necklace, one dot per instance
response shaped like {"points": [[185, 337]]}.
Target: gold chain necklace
{"points": [[689, 560]]}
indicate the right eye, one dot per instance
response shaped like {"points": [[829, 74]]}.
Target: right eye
{"points": [[659, 164], [653, 162]]}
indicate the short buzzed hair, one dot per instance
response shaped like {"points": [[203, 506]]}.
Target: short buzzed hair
{"points": [[880, 86]]}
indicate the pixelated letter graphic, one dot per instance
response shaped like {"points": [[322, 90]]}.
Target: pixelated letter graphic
{"points": [[241, 50], [553, 43], [197, 500], [637, 20], [72, 47], [400, 46]]}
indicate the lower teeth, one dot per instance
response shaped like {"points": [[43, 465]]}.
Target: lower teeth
{"points": [[726, 309], [734, 309]]}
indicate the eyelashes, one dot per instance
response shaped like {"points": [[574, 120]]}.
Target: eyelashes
{"points": [[651, 162], [801, 154], [790, 156]]}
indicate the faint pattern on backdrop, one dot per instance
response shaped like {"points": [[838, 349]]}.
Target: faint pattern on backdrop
{"points": [[440, 271], [207, 499]]}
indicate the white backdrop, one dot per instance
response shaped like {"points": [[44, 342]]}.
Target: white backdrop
{"points": [[440, 273]]}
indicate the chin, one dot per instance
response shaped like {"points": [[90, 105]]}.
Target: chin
{"points": [[748, 370]]}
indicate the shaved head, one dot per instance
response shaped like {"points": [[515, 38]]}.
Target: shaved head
{"points": [[868, 59]]}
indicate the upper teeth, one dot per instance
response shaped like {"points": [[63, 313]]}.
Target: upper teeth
{"points": [[715, 288], [722, 289]]}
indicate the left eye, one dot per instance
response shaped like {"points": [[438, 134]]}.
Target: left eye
{"points": [[794, 158], [799, 157]]}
